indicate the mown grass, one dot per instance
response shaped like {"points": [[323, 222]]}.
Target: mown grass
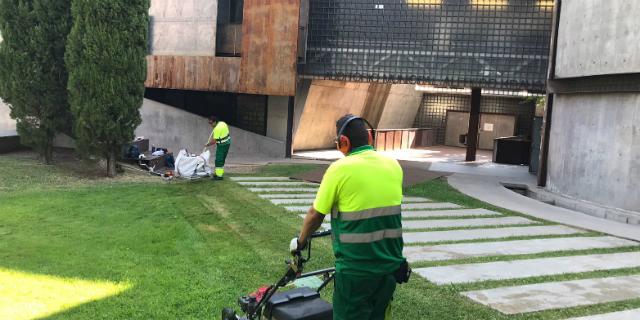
{"points": [[182, 250]]}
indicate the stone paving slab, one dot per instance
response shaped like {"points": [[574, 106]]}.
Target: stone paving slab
{"points": [[261, 179], [299, 201], [276, 189], [452, 223], [518, 269], [430, 205], [310, 195], [555, 295], [439, 213], [276, 183], [622, 315], [415, 199], [443, 205], [489, 233], [326, 218], [503, 248], [308, 201], [449, 213]]}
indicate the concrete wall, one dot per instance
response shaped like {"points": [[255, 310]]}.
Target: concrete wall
{"points": [[183, 27], [277, 109], [598, 37], [401, 107], [594, 151], [176, 129], [6, 123]]}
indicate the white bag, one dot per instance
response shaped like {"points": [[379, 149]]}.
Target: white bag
{"points": [[188, 166]]}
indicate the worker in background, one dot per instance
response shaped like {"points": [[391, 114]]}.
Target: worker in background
{"points": [[363, 194], [221, 138]]}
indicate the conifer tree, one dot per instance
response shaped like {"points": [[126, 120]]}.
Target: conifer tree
{"points": [[107, 68], [33, 77]]}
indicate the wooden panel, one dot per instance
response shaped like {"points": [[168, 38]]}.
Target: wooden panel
{"points": [[380, 141], [411, 139], [375, 103], [389, 141], [326, 102], [397, 140], [405, 140], [193, 73], [269, 47]]}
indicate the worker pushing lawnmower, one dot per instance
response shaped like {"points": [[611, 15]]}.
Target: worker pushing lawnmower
{"points": [[363, 194]]}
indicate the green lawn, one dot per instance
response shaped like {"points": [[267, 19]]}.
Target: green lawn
{"points": [[82, 247]]}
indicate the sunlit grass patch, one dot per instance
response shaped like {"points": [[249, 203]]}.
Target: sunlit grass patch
{"points": [[30, 296]]}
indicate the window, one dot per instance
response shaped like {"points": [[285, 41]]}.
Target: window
{"points": [[229, 28]]}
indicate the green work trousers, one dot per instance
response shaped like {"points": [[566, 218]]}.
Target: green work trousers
{"points": [[221, 156], [363, 298]]}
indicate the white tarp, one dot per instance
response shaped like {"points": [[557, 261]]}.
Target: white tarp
{"points": [[192, 166]]}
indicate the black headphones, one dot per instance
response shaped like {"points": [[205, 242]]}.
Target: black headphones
{"points": [[349, 120]]}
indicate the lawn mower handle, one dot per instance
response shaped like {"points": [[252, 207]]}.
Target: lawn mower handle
{"points": [[320, 234]]}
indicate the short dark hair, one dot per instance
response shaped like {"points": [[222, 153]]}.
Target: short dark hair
{"points": [[356, 131], [213, 119]]}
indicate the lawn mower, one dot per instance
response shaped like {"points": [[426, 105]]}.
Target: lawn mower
{"points": [[302, 303]]}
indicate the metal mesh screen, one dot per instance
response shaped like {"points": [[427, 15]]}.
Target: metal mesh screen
{"points": [[434, 107], [498, 44]]}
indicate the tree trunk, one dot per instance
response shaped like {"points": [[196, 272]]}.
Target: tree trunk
{"points": [[48, 152], [111, 164]]}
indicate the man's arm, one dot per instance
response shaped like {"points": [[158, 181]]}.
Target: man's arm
{"points": [[312, 221], [212, 139]]}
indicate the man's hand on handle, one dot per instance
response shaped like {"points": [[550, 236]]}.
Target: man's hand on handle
{"points": [[295, 246], [311, 223]]}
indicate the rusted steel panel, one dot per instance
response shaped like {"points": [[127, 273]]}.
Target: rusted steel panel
{"points": [[269, 47], [193, 73]]}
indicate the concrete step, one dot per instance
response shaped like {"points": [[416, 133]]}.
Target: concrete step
{"points": [[453, 223], [488, 233], [503, 248], [518, 269], [557, 295]]}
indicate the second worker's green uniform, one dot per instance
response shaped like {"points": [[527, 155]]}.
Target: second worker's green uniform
{"points": [[363, 194], [223, 141]]}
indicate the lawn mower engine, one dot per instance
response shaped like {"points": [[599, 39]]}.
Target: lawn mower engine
{"points": [[302, 303]]}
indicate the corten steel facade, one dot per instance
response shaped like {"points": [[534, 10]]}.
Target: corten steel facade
{"points": [[181, 59], [494, 44]]}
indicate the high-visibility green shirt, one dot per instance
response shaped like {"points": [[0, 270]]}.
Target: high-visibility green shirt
{"points": [[363, 194], [221, 133]]}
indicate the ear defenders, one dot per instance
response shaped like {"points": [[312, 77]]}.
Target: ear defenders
{"points": [[343, 144]]}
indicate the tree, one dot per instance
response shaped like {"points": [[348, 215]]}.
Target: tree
{"points": [[107, 68], [33, 76]]}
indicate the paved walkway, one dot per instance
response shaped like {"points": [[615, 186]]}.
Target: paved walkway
{"points": [[444, 231], [490, 189]]}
